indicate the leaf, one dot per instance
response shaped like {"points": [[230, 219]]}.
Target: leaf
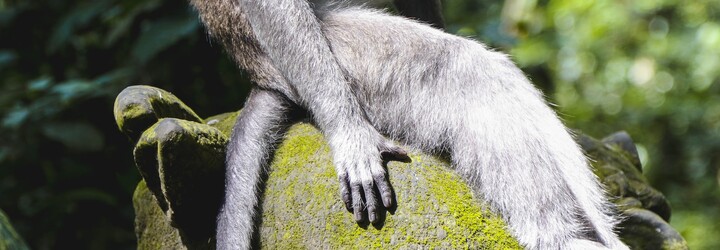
{"points": [[78, 17], [39, 84], [122, 26], [112, 76], [161, 34], [15, 118], [532, 52], [8, 15], [77, 136], [89, 194], [72, 90], [4, 153], [7, 57], [10, 238]]}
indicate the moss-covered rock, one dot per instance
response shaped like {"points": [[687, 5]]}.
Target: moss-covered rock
{"points": [[182, 164], [138, 107], [436, 209], [645, 210], [152, 229]]}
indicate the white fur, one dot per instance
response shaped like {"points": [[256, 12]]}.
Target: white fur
{"points": [[441, 93]]}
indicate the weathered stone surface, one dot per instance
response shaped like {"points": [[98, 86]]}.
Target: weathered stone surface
{"points": [[301, 205], [152, 229], [138, 107], [646, 211], [643, 229], [302, 208], [181, 161]]}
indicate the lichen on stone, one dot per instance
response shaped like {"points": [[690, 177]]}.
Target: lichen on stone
{"points": [[436, 208], [181, 159]]}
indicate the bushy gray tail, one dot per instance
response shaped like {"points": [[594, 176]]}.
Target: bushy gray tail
{"points": [[531, 171]]}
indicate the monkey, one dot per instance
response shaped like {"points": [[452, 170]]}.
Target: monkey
{"points": [[361, 74], [256, 133]]}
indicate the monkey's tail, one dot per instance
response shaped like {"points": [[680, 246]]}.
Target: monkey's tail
{"points": [[523, 161], [594, 210]]}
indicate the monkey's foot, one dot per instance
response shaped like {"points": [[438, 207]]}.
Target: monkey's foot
{"points": [[361, 167]]}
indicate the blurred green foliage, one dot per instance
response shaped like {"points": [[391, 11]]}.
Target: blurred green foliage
{"points": [[66, 175], [651, 67]]}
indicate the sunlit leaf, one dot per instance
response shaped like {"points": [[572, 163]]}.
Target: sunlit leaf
{"points": [[15, 118], [40, 84], [72, 90], [532, 52]]}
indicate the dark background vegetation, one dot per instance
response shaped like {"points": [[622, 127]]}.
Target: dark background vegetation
{"points": [[66, 176]]}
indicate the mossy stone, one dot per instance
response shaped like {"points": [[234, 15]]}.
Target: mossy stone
{"points": [[181, 160]]}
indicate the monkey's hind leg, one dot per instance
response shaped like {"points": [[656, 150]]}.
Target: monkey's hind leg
{"points": [[259, 128]]}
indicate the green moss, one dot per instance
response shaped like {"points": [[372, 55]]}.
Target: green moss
{"points": [[224, 122], [137, 107], [152, 230], [296, 152], [472, 221], [133, 110], [302, 206], [302, 188], [675, 245]]}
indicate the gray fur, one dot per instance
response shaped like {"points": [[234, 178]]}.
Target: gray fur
{"points": [[359, 71], [446, 93], [256, 135]]}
